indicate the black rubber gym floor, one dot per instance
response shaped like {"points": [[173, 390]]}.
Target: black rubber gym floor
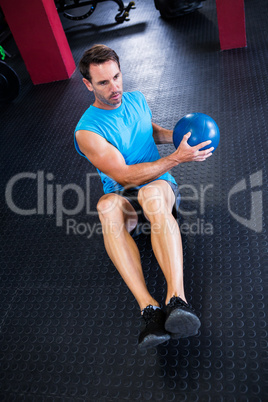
{"points": [[69, 325]]}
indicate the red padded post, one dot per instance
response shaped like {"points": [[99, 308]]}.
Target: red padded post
{"points": [[41, 40], [231, 22]]}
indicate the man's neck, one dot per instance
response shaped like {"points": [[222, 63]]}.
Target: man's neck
{"points": [[104, 106]]}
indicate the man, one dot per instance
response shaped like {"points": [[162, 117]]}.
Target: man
{"points": [[117, 136]]}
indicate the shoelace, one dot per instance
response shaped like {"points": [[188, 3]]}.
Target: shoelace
{"points": [[176, 301], [149, 314]]}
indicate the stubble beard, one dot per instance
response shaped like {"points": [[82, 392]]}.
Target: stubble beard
{"points": [[109, 101]]}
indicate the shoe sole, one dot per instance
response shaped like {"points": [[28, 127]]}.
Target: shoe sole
{"points": [[182, 324], [151, 341]]}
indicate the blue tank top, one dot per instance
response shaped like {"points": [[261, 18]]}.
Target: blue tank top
{"points": [[129, 129]]}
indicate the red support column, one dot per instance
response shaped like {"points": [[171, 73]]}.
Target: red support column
{"points": [[38, 33], [231, 22]]}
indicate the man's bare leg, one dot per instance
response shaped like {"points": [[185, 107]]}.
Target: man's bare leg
{"points": [[157, 200], [118, 217]]}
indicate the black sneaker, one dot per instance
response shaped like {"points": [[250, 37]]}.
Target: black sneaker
{"points": [[154, 332], [181, 320]]}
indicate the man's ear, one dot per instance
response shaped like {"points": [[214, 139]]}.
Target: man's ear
{"points": [[87, 84]]}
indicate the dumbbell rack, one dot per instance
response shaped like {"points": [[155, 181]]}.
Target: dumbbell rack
{"points": [[64, 6]]}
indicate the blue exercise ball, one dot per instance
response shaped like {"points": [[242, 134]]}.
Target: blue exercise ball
{"points": [[202, 128]]}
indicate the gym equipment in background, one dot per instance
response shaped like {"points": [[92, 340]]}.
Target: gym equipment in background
{"points": [[175, 8], [65, 5], [9, 83]]}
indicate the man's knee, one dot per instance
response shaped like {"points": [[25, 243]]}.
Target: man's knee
{"points": [[116, 208], [152, 199], [108, 205], [116, 213], [156, 199]]}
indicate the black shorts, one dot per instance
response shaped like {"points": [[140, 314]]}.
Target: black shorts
{"points": [[143, 225]]}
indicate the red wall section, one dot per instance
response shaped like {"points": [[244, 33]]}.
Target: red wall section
{"points": [[38, 32], [231, 22]]}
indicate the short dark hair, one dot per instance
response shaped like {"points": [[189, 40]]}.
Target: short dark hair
{"points": [[97, 54]]}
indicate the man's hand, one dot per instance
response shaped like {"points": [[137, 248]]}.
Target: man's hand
{"points": [[186, 153]]}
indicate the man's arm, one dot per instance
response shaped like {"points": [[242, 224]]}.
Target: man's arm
{"points": [[110, 161], [162, 135]]}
